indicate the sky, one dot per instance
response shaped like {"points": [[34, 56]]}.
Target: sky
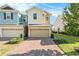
{"points": [[54, 8]]}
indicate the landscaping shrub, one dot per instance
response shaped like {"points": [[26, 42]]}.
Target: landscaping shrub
{"points": [[61, 40], [54, 32], [52, 35], [68, 44], [21, 36], [63, 33], [15, 40]]}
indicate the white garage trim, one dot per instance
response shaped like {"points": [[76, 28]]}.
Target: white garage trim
{"points": [[12, 32], [39, 33], [0, 32], [39, 28], [28, 31]]}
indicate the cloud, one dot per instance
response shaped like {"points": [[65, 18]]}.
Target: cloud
{"points": [[20, 6], [52, 7], [54, 10]]}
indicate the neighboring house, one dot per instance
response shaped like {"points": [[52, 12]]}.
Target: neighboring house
{"points": [[36, 22], [51, 27], [10, 22], [58, 25]]}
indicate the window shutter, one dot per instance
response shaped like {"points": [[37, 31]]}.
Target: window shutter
{"points": [[11, 15], [4, 15]]}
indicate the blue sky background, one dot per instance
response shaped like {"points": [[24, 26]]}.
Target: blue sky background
{"points": [[54, 8]]}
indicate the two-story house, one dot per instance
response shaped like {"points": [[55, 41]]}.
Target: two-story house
{"points": [[38, 22], [35, 22], [10, 22]]}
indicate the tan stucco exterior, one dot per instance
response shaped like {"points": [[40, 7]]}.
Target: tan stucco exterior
{"points": [[41, 16], [41, 26]]}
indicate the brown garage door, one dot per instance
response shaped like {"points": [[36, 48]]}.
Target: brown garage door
{"points": [[39, 32]]}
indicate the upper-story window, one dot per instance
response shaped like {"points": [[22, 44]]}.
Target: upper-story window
{"points": [[34, 15], [47, 18], [8, 15]]}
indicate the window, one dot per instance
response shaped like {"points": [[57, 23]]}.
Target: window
{"points": [[34, 15], [24, 20], [4, 15], [11, 15], [8, 15], [47, 18]]}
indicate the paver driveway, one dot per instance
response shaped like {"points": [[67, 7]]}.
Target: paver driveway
{"points": [[36, 47], [2, 41]]}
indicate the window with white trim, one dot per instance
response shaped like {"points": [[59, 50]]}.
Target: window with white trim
{"points": [[35, 16], [8, 15]]}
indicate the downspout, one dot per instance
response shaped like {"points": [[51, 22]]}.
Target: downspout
{"points": [[1, 33]]}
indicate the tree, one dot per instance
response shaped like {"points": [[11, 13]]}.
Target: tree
{"points": [[71, 19]]}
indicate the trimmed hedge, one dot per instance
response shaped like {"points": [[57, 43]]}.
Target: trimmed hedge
{"points": [[60, 38]]}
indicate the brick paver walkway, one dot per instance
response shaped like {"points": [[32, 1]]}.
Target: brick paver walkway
{"points": [[36, 47], [3, 41]]}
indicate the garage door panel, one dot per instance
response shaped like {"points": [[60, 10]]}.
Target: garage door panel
{"points": [[39, 33], [11, 33]]}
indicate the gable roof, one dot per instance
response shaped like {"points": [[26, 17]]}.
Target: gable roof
{"points": [[7, 7], [38, 9]]}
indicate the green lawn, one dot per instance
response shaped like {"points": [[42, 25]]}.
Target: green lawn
{"points": [[5, 48], [67, 43]]}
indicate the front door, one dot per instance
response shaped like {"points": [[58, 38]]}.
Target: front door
{"points": [[26, 31]]}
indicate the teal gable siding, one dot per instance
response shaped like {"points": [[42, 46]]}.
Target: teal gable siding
{"points": [[15, 19]]}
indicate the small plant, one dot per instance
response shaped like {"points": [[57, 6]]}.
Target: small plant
{"points": [[54, 32], [21, 36], [52, 35], [15, 40]]}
